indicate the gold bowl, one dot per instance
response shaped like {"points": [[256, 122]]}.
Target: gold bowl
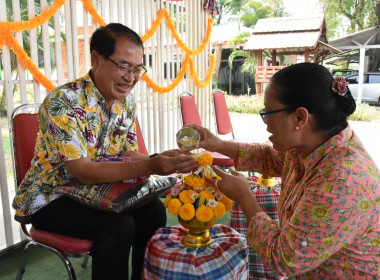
{"points": [[197, 233]]}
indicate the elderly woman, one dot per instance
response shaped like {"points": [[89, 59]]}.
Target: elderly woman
{"points": [[329, 208]]}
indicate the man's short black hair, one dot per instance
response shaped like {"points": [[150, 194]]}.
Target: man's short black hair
{"points": [[103, 40]]}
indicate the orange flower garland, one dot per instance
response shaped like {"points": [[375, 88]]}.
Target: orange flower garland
{"points": [[164, 14], [188, 60], [6, 29], [195, 197], [6, 37]]}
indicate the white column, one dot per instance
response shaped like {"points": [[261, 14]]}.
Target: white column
{"points": [[361, 74]]}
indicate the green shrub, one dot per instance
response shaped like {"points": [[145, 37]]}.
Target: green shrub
{"points": [[364, 112], [248, 104]]}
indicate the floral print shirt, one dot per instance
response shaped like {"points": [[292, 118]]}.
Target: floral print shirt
{"points": [[73, 123], [329, 210]]}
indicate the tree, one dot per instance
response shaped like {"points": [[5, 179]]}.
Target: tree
{"points": [[228, 7], [255, 10], [252, 12], [360, 15], [249, 64]]}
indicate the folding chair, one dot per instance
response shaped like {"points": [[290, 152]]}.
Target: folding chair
{"points": [[189, 114], [223, 124], [23, 132]]}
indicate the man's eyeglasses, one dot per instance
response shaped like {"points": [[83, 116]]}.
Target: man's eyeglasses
{"points": [[123, 70], [264, 114]]}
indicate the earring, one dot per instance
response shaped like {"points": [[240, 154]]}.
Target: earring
{"points": [[297, 128]]}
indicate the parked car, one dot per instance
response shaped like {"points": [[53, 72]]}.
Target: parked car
{"points": [[371, 87], [343, 72]]}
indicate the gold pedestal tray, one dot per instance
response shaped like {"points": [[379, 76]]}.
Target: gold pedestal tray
{"points": [[266, 181], [197, 233]]}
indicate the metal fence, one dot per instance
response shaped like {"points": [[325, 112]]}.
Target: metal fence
{"points": [[60, 49]]}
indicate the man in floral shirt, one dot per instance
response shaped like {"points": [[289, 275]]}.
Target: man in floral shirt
{"points": [[329, 206], [92, 117]]}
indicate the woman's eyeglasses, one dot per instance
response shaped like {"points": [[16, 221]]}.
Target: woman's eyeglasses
{"points": [[264, 114], [123, 70]]}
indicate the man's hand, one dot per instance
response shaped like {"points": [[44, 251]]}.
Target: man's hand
{"points": [[173, 161]]}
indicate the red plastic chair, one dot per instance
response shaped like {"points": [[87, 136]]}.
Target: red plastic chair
{"points": [[189, 114], [23, 132], [140, 139], [223, 122]]}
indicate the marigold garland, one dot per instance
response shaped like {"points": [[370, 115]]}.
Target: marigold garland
{"points": [[6, 29], [164, 14], [6, 37], [196, 197]]}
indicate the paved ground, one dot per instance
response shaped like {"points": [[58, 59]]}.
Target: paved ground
{"points": [[246, 125]]}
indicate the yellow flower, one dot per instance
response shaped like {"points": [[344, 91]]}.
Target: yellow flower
{"points": [[328, 241], [287, 257], [324, 256], [345, 227], [347, 265], [294, 219], [328, 170], [70, 150], [364, 204], [327, 187], [348, 163], [194, 181], [321, 151], [374, 242], [227, 203], [291, 235], [167, 199], [173, 206], [186, 196], [61, 120], [376, 201], [320, 213], [205, 160], [187, 211], [219, 210], [372, 172], [269, 254], [255, 246], [204, 214], [206, 194], [352, 143]]}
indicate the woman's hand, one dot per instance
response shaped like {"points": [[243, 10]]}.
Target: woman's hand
{"points": [[234, 185], [208, 140]]}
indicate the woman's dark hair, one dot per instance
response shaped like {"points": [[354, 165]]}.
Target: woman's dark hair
{"points": [[103, 40], [309, 85]]}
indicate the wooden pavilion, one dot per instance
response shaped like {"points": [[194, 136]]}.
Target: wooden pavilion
{"points": [[289, 37]]}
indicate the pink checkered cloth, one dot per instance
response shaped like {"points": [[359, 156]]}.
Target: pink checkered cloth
{"points": [[225, 258]]}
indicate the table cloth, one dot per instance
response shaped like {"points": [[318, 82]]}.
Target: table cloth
{"points": [[267, 197], [225, 258]]}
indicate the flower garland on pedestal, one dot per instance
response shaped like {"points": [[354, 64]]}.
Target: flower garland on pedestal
{"points": [[195, 197]]}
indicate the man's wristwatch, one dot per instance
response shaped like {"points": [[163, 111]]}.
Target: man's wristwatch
{"points": [[153, 155]]}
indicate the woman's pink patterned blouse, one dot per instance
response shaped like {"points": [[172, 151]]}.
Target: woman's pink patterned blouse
{"points": [[329, 210]]}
